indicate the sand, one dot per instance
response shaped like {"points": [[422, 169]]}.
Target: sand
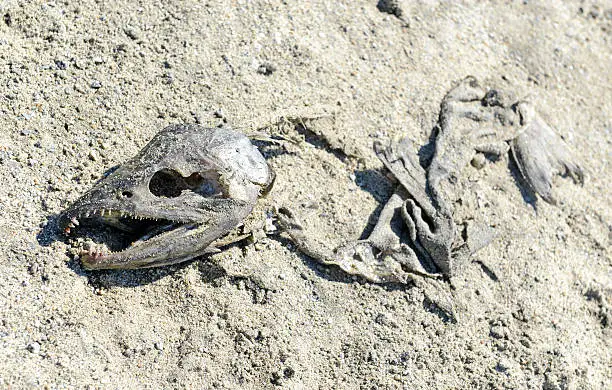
{"points": [[84, 85]]}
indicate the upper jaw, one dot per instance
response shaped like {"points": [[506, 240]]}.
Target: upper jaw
{"points": [[110, 215], [104, 207]]}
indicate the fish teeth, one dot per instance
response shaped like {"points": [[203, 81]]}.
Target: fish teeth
{"points": [[109, 213], [95, 250]]}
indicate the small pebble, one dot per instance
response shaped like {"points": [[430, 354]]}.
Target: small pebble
{"points": [[33, 347], [479, 161], [168, 78], [96, 84], [266, 69], [498, 332], [93, 155], [132, 32], [526, 343], [60, 65], [493, 98], [391, 7], [503, 365]]}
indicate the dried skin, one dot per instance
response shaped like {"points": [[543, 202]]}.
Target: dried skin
{"points": [[429, 244], [540, 154]]}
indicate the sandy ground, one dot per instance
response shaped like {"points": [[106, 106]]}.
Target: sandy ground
{"points": [[84, 85]]}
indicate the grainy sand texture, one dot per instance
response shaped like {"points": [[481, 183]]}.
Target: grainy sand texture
{"points": [[84, 85]]}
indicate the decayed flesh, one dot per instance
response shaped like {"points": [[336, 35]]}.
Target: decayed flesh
{"points": [[429, 243]]}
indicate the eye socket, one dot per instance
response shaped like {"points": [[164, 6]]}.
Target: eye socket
{"points": [[168, 183]]}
